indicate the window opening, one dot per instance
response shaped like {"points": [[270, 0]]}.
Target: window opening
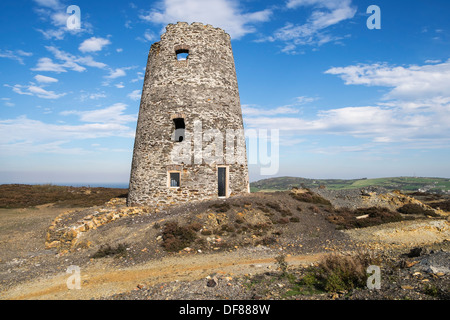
{"points": [[179, 129], [174, 179], [182, 54]]}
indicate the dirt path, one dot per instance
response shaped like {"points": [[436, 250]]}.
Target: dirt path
{"points": [[100, 280]]}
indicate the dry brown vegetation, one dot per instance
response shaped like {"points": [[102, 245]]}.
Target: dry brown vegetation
{"points": [[310, 197], [236, 222], [411, 208], [24, 196], [347, 219], [443, 205]]}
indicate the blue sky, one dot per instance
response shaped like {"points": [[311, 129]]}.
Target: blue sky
{"points": [[349, 102]]}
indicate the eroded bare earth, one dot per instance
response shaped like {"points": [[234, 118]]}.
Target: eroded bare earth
{"points": [[234, 242]]}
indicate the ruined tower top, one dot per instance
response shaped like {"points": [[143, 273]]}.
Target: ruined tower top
{"points": [[190, 91], [205, 58]]}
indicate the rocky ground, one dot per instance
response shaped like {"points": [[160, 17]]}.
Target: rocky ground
{"points": [[424, 276], [260, 246]]}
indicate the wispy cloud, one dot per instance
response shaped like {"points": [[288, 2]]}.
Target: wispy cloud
{"points": [[116, 73], [7, 102], [305, 100], [44, 79], [410, 82], [325, 14], [54, 12], [69, 62], [112, 114], [225, 14], [147, 37], [33, 90], [135, 95], [22, 135], [414, 112], [252, 111], [140, 77], [17, 55], [53, 4], [92, 96], [380, 124]]}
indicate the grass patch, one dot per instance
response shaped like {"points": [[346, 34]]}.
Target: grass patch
{"points": [[337, 273], [431, 290]]}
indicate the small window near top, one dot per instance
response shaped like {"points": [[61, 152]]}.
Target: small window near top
{"points": [[179, 129], [174, 179], [182, 54]]}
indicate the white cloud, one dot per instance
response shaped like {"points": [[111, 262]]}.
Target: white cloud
{"points": [[336, 11], [24, 136], [325, 13], [70, 61], [54, 4], [140, 77], [119, 85], [135, 95], [24, 53], [116, 73], [55, 13], [45, 79], [411, 82], [148, 36], [90, 62], [92, 96], [225, 14], [32, 90], [29, 147], [305, 100], [57, 34], [255, 110], [42, 93], [376, 123], [7, 102], [112, 114], [15, 55], [18, 89], [252, 111], [59, 18], [415, 112], [93, 44], [47, 64]]}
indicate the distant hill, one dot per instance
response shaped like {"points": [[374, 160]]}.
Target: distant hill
{"points": [[432, 185]]}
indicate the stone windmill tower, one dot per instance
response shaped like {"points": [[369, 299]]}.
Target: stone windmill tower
{"points": [[190, 142]]}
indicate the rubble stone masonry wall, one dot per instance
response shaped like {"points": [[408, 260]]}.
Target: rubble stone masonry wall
{"points": [[202, 89]]}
